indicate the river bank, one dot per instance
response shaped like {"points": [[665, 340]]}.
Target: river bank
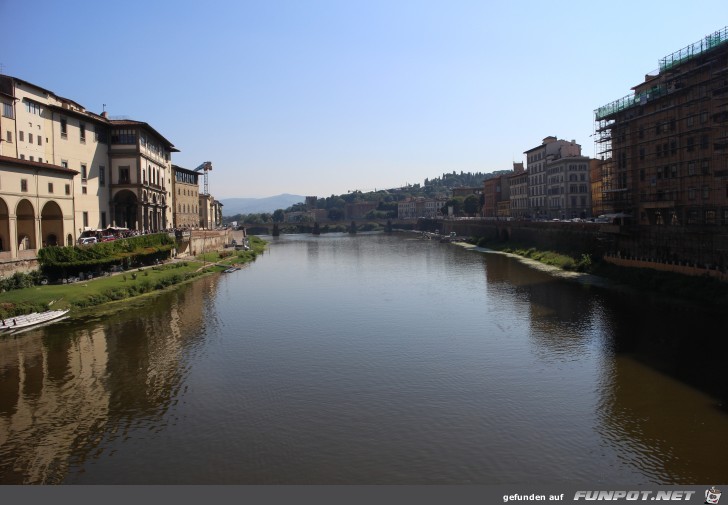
{"points": [[698, 291], [123, 286]]}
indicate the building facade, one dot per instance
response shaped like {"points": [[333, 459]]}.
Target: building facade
{"points": [[663, 149], [40, 126], [537, 158], [518, 183], [567, 187], [141, 177], [186, 191]]}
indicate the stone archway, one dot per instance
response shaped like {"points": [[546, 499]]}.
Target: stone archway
{"points": [[51, 224], [4, 227], [125, 209], [25, 238]]}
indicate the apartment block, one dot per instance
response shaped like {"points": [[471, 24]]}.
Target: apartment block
{"points": [[543, 204], [663, 149]]}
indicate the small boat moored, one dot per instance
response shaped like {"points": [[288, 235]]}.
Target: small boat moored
{"points": [[13, 324]]}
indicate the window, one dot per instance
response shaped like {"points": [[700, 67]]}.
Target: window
{"points": [[21, 136], [40, 140], [692, 193], [703, 117], [691, 144], [24, 185], [22, 156], [64, 163], [82, 131], [122, 136], [706, 192], [31, 158], [102, 175], [30, 138], [50, 187], [8, 110], [9, 137], [85, 219], [84, 190], [124, 175], [68, 189], [100, 133], [705, 167], [84, 174], [64, 128], [32, 107], [40, 160], [704, 142]]}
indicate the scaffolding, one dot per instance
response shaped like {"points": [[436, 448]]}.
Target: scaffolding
{"points": [[687, 53], [663, 154]]}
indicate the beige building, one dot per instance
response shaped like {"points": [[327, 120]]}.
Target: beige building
{"points": [[36, 207], [141, 176], [210, 212], [186, 191], [551, 149], [40, 126], [123, 168]]}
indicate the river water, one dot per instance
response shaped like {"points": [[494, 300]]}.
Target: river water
{"points": [[371, 359]]}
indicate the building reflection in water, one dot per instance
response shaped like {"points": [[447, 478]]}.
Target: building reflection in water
{"points": [[659, 364], [63, 389]]}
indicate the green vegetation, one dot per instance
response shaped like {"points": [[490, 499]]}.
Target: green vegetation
{"points": [[26, 298], [704, 290], [580, 262], [61, 262], [386, 199]]}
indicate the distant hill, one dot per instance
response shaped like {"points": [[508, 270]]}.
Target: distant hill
{"points": [[234, 206]]}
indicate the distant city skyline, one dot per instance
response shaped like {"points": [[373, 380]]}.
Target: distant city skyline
{"points": [[321, 98]]}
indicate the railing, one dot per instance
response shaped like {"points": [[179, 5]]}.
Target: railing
{"points": [[629, 101], [686, 53]]}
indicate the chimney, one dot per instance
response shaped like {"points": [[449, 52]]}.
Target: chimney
{"points": [[105, 115]]}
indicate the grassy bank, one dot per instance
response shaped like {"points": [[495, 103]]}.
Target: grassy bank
{"points": [[703, 290], [129, 284]]}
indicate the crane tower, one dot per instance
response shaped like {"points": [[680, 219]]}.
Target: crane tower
{"points": [[204, 168]]}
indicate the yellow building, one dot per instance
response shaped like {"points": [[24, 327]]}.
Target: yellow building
{"points": [[186, 191]]}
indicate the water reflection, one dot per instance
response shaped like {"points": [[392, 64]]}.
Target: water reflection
{"points": [[66, 388], [369, 359]]}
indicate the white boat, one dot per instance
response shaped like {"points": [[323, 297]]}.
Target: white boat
{"points": [[16, 323]]}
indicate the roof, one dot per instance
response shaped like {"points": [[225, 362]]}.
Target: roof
{"points": [[131, 122], [37, 164], [84, 114], [185, 170]]}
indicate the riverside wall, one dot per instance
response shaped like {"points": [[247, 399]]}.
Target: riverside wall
{"points": [[685, 250], [583, 238]]}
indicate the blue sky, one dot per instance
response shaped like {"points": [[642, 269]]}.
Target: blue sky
{"points": [[323, 97]]}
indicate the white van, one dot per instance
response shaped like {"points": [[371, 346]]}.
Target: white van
{"points": [[87, 240]]}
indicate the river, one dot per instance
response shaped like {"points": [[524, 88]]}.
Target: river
{"points": [[371, 359]]}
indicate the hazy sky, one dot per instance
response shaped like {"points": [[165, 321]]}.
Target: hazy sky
{"points": [[323, 97]]}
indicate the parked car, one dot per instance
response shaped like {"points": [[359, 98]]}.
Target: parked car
{"points": [[87, 240]]}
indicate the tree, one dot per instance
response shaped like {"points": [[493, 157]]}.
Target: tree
{"points": [[456, 204], [278, 216], [471, 205], [336, 214]]}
